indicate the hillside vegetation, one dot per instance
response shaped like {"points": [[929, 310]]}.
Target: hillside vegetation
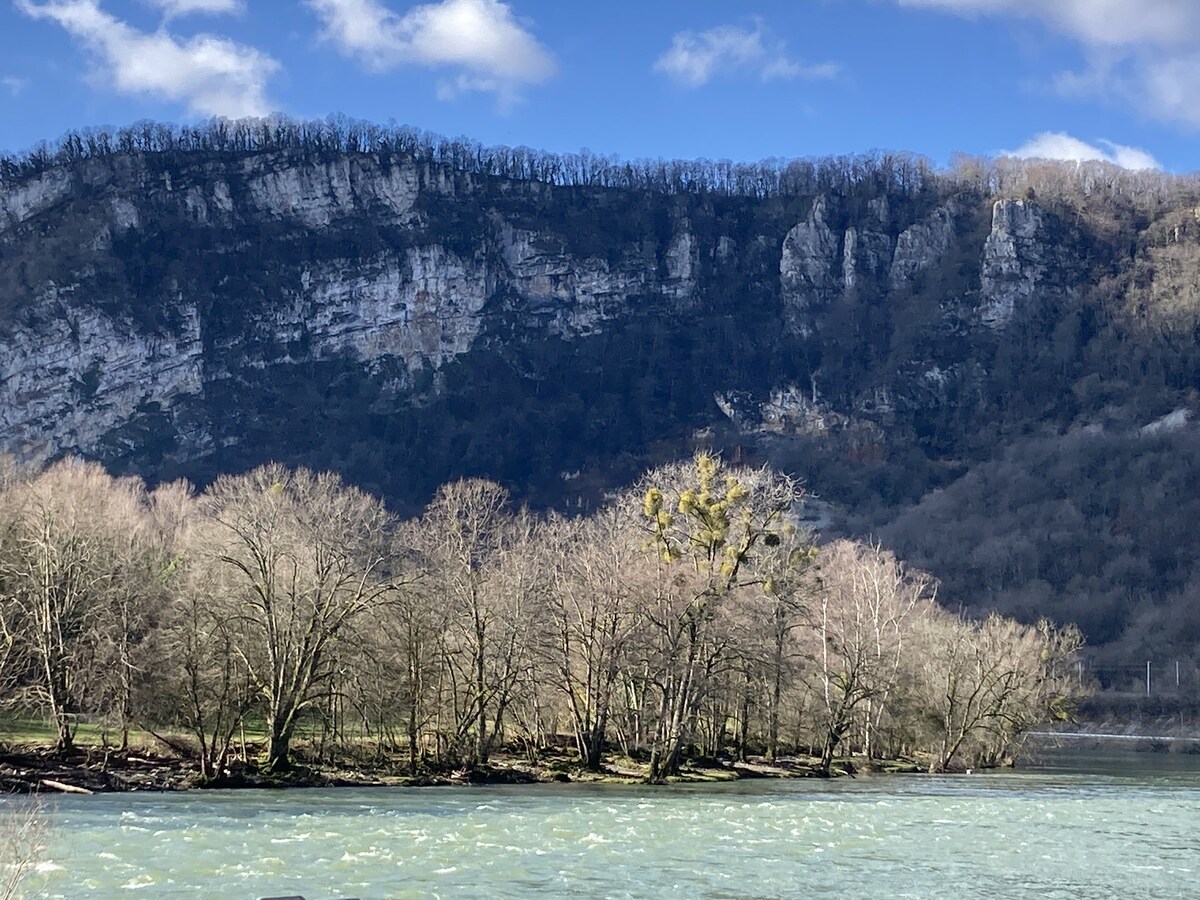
{"points": [[963, 362]]}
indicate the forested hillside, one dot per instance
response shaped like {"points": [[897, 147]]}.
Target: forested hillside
{"points": [[992, 368]]}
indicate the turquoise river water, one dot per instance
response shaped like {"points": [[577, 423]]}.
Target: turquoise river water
{"points": [[1121, 826]]}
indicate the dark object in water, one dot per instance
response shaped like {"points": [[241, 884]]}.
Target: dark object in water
{"points": [[298, 897]]}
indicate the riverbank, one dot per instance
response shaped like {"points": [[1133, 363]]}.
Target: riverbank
{"points": [[29, 769]]}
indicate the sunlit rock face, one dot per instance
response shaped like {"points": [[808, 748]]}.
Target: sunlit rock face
{"points": [[174, 277], [1014, 261], [807, 268], [70, 375], [154, 307]]}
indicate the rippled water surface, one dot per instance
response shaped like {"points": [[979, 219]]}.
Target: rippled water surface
{"points": [[1055, 832]]}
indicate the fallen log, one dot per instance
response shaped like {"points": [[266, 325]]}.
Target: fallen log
{"points": [[65, 788]]}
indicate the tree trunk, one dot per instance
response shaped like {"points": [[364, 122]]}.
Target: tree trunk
{"points": [[594, 758], [279, 742], [744, 723], [665, 758], [833, 739], [412, 740], [58, 709], [66, 741], [776, 699], [481, 687]]}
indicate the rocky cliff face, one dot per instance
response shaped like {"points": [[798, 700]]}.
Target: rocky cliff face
{"points": [[1014, 261], [922, 246], [124, 325], [807, 265], [70, 375], [163, 309]]}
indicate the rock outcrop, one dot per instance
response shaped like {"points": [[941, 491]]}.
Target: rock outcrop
{"points": [[865, 253], [806, 268], [71, 375], [1014, 261], [922, 246], [355, 263], [791, 412]]}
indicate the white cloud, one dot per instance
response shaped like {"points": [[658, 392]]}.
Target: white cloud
{"points": [[175, 8], [1164, 85], [211, 75], [1145, 53], [14, 85], [694, 59], [1062, 146], [481, 38], [1116, 23]]}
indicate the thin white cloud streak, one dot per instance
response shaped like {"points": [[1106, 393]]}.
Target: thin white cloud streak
{"points": [[174, 9], [1116, 23], [1061, 146], [14, 85], [482, 39], [210, 75], [1144, 53], [696, 58]]}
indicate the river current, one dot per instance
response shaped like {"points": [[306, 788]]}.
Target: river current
{"points": [[1123, 826]]}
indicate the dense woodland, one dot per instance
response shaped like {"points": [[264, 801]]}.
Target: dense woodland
{"points": [[688, 618]]}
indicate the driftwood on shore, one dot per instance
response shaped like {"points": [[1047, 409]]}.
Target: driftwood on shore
{"points": [[33, 770], [64, 788]]}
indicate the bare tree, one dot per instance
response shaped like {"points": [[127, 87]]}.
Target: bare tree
{"points": [[988, 681], [860, 619], [404, 639], [200, 680], [519, 598], [14, 655], [207, 677], [71, 546], [144, 569], [704, 523], [23, 837], [788, 585], [468, 535], [595, 609], [301, 556]]}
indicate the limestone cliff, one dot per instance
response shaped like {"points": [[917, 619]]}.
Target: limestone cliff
{"points": [[1014, 261], [90, 342], [806, 268], [189, 312]]}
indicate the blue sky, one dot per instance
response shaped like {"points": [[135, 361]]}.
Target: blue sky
{"points": [[1116, 79]]}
